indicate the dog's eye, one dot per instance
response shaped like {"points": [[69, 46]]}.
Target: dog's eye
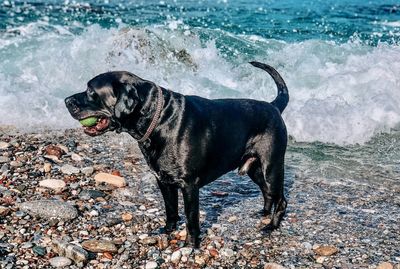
{"points": [[90, 92]]}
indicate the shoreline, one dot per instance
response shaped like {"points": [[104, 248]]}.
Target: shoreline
{"points": [[327, 225]]}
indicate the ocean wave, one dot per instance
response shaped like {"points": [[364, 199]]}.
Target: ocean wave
{"points": [[339, 93]]}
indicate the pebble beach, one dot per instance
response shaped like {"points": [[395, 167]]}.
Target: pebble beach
{"points": [[73, 201]]}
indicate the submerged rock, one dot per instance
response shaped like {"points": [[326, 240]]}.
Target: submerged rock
{"points": [[49, 209]]}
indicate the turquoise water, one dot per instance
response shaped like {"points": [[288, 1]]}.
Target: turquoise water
{"points": [[340, 59]]}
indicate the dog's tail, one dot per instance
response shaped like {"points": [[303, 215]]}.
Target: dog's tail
{"points": [[282, 99]]}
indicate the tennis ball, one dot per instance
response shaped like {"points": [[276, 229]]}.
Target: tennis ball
{"points": [[88, 122]]}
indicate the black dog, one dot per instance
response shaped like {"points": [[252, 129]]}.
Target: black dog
{"points": [[190, 141]]}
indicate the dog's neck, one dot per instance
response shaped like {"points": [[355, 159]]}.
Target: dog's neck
{"points": [[146, 117]]}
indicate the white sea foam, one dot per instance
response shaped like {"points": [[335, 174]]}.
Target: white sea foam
{"points": [[340, 93]]}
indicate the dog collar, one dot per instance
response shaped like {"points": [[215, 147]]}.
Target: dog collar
{"points": [[160, 104]]}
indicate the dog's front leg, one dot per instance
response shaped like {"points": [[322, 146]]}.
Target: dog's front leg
{"points": [[170, 195], [191, 199]]}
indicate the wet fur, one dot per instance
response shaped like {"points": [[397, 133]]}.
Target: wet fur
{"points": [[196, 139]]}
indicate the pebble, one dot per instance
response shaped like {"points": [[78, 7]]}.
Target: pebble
{"points": [[52, 150], [60, 262], [76, 157], [385, 265], [87, 171], [4, 159], [49, 209], [4, 145], [99, 246], [40, 251], [110, 179], [54, 184], [150, 241], [4, 211], [69, 169], [186, 251], [273, 266], [74, 252], [326, 250], [176, 256], [47, 167], [227, 252], [151, 265], [127, 216], [91, 194]]}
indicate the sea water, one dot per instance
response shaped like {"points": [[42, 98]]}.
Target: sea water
{"points": [[340, 60]]}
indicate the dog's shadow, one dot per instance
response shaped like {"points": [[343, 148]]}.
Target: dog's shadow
{"points": [[230, 191]]}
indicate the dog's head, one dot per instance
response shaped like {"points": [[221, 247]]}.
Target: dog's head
{"points": [[112, 98]]}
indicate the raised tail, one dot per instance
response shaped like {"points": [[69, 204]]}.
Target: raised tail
{"points": [[282, 99]]}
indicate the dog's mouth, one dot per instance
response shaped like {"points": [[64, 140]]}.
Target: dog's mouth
{"points": [[100, 127]]}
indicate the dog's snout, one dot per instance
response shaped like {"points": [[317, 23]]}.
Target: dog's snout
{"points": [[71, 105]]}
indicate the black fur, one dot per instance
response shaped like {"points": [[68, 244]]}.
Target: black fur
{"points": [[196, 139]]}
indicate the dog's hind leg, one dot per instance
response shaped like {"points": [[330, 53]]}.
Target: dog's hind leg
{"points": [[170, 195], [256, 174]]}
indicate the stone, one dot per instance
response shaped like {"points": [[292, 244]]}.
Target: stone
{"points": [[4, 145], [47, 167], [110, 179], [54, 151], [272, 265], [4, 159], [40, 251], [227, 252], [76, 157], [69, 169], [182, 235], [186, 251], [54, 184], [60, 262], [99, 246], [91, 194], [162, 241], [150, 241], [385, 265], [4, 211], [326, 250], [87, 171], [232, 219], [176, 256], [49, 209], [15, 164], [127, 216], [151, 265], [74, 252]]}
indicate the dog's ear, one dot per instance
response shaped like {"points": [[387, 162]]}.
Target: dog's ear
{"points": [[128, 98]]}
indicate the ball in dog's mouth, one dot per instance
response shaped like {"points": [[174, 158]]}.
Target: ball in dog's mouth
{"points": [[95, 125]]}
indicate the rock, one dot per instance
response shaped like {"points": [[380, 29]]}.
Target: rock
{"points": [[385, 265], [213, 252], [151, 265], [94, 213], [320, 259], [176, 256], [40, 251], [76, 157], [150, 241], [162, 241], [47, 167], [15, 164], [4, 159], [54, 184], [26, 245], [74, 252], [107, 255], [91, 194], [127, 216], [232, 219], [219, 193], [110, 179], [200, 259], [54, 151], [49, 209], [99, 246], [272, 265], [226, 252], [186, 251], [326, 250], [87, 171], [60, 262], [182, 235], [4, 145], [69, 169], [4, 211]]}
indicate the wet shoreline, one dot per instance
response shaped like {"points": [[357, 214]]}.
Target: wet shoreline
{"points": [[329, 223]]}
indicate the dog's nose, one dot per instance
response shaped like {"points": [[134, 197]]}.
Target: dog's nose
{"points": [[71, 105]]}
